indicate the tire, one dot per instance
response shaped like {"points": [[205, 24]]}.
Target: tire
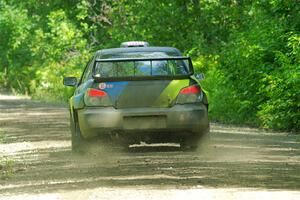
{"points": [[77, 142], [196, 143], [189, 144]]}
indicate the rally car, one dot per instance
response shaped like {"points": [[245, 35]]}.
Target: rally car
{"points": [[138, 93]]}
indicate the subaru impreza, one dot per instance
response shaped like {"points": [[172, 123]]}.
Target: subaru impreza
{"points": [[138, 93]]}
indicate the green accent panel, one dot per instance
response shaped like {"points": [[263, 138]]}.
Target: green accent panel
{"points": [[78, 101], [139, 94], [195, 79], [199, 82], [170, 92]]}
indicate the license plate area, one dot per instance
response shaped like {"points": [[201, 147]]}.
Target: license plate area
{"points": [[144, 122]]}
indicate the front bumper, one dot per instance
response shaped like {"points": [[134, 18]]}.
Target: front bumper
{"points": [[179, 118]]}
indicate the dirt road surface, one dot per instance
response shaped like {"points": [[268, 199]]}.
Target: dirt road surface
{"points": [[239, 163]]}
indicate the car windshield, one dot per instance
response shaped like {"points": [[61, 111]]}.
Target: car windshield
{"points": [[152, 64]]}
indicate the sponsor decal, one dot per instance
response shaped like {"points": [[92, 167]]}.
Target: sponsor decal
{"points": [[103, 86]]}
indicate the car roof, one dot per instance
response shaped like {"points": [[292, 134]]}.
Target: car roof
{"points": [[168, 50]]}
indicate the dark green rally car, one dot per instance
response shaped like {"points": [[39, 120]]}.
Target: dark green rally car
{"points": [[138, 93]]}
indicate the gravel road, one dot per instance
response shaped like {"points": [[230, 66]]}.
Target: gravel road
{"points": [[238, 163]]}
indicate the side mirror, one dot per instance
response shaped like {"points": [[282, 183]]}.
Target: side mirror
{"points": [[70, 81], [200, 76]]}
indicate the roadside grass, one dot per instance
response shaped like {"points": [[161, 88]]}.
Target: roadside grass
{"points": [[2, 137], [6, 164], [298, 138], [6, 168]]}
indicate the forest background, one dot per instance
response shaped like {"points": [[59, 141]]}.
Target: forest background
{"points": [[248, 50]]}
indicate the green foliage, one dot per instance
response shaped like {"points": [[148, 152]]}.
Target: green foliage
{"points": [[249, 50], [261, 65], [59, 50], [14, 31], [281, 87]]}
